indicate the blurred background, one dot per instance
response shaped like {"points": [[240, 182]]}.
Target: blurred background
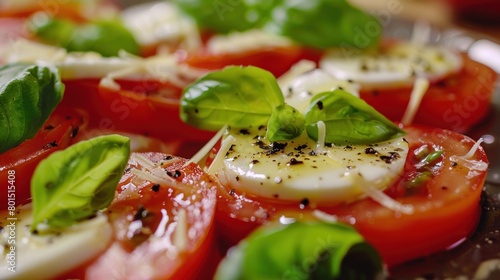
{"points": [[477, 15]]}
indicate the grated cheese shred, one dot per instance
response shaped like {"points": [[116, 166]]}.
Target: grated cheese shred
{"points": [[419, 89]]}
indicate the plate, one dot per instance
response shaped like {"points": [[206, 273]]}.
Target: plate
{"points": [[479, 253]]}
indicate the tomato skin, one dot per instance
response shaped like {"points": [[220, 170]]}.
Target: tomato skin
{"points": [[276, 60], [446, 210], [144, 107], [458, 102], [152, 253], [56, 134]]}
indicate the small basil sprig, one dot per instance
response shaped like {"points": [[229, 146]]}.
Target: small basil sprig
{"points": [[237, 96], [105, 37], [313, 250], [73, 184], [28, 95], [348, 120], [244, 97], [325, 23]]}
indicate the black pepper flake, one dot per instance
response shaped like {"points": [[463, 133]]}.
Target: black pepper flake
{"points": [[49, 127], [348, 147], [389, 159], [300, 147], [350, 81], [254, 161], [196, 110], [304, 203], [294, 161], [371, 151], [141, 213], [231, 192], [244, 132], [320, 105], [312, 153], [176, 174], [262, 127], [127, 170], [444, 188], [237, 178], [168, 157], [50, 145], [155, 187], [453, 164], [274, 148], [74, 132]]}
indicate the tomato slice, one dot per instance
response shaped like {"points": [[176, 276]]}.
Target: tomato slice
{"points": [[79, 11], [163, 230], [277, 60], [144, 107], [56, 134], [446, 206], [457, 102]]}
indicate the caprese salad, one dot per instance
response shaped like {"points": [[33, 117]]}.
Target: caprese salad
{"points": [[304, 173]]}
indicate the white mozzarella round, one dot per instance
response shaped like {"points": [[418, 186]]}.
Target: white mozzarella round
{"points": [[240, 42], [45, 256], [330, 176], [161, 23], [397, 65]]}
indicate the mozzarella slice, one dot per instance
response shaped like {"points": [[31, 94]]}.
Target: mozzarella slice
{"points": [[81, 65], [335, 175], [394, 66], [240, 42], [46, 256], [162, 23]]}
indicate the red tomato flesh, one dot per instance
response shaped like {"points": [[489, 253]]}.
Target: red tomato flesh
{"points": [[276, 60], [151, 251], [144, 107], [457, 102], [56, 134], [446, 207]]}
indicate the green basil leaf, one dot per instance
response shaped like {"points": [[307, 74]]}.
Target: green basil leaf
{"points": [[105, 37], [226, 16], [73, 184], [237, 96], [348, 120], [313, 250], [28, 95], [54, 31], [285, 123], [325, 23]]}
